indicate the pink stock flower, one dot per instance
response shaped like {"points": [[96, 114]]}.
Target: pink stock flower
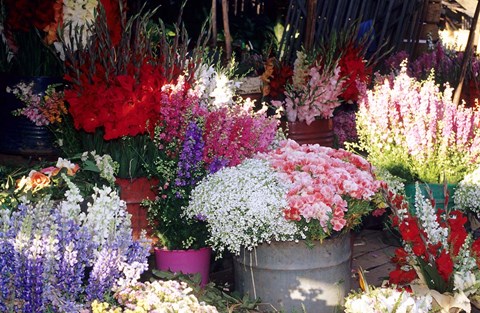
{"points": [[321, 179]]}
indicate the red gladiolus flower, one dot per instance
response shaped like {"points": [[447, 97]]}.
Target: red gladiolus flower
{"points": [[400, 277], [444, 265]]}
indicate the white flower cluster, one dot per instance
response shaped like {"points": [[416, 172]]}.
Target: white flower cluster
{"points": [[428, 219], [161, 296], [107, 166], [106, 214], [214, 87], [467, 193], [242, 206], [395, 184], [79, 16], [387, 300]]}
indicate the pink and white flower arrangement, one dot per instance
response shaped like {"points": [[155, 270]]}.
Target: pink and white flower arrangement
{"points": [[414, 130], [292, 192], [314, 92]]}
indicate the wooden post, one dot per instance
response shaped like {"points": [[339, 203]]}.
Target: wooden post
{"points": [[310, 24], [226, 30], [214, 22], [466, 56]]}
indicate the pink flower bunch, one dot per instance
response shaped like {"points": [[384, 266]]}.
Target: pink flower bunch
{"points": [[344, 127], [177, 107], [315, 92], [323, 181], [236, 133], [412, 125]]}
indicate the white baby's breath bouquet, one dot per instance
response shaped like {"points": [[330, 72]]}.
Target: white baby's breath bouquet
{"points": [[245, 208]]}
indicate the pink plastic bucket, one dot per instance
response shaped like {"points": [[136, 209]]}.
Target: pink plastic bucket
{"points": [[185, 261]]}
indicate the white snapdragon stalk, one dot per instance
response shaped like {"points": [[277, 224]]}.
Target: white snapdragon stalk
{"points": [[242, 206], [428, 218], [70, 207], [105, 214]]}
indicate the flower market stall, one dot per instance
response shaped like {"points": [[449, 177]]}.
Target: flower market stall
{"points": [[163, 173]]}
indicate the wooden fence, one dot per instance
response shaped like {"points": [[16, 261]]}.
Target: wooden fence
{"points": [[395, 24]]}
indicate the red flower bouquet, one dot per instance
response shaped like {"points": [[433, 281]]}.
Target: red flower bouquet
{"points": [[438, 256], [119, 86]]}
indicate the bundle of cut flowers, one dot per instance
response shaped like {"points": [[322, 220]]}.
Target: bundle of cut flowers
{"points": [[335, 71], [467, 193], [292, 192], [438, 256], [196, 140], [414, 130], [314, 91], [157, 296], [59, 256]]}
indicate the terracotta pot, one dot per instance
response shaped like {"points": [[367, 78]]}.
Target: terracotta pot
{"points": [[186, 261], [318, 132], [133, 192]]}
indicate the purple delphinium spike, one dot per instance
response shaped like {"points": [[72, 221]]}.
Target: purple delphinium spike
{"points": [[190, 159]]}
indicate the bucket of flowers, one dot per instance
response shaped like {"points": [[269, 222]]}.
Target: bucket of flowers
{"points": [[282, 213], [438, 257]]}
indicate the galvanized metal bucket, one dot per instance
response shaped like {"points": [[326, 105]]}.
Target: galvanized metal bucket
{"points": [[294, 277]]}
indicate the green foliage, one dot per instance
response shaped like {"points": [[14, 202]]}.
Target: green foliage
{"points": [[135, 155]]}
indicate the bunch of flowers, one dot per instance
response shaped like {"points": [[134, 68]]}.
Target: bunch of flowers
{"points": [[387, 300], [47, 180], [115, 83], [467, 193], [314, 91], [415, 131], [157, 296], [193, 142], [437, 256], [59, 256], [308, 192], [28, 30]]}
